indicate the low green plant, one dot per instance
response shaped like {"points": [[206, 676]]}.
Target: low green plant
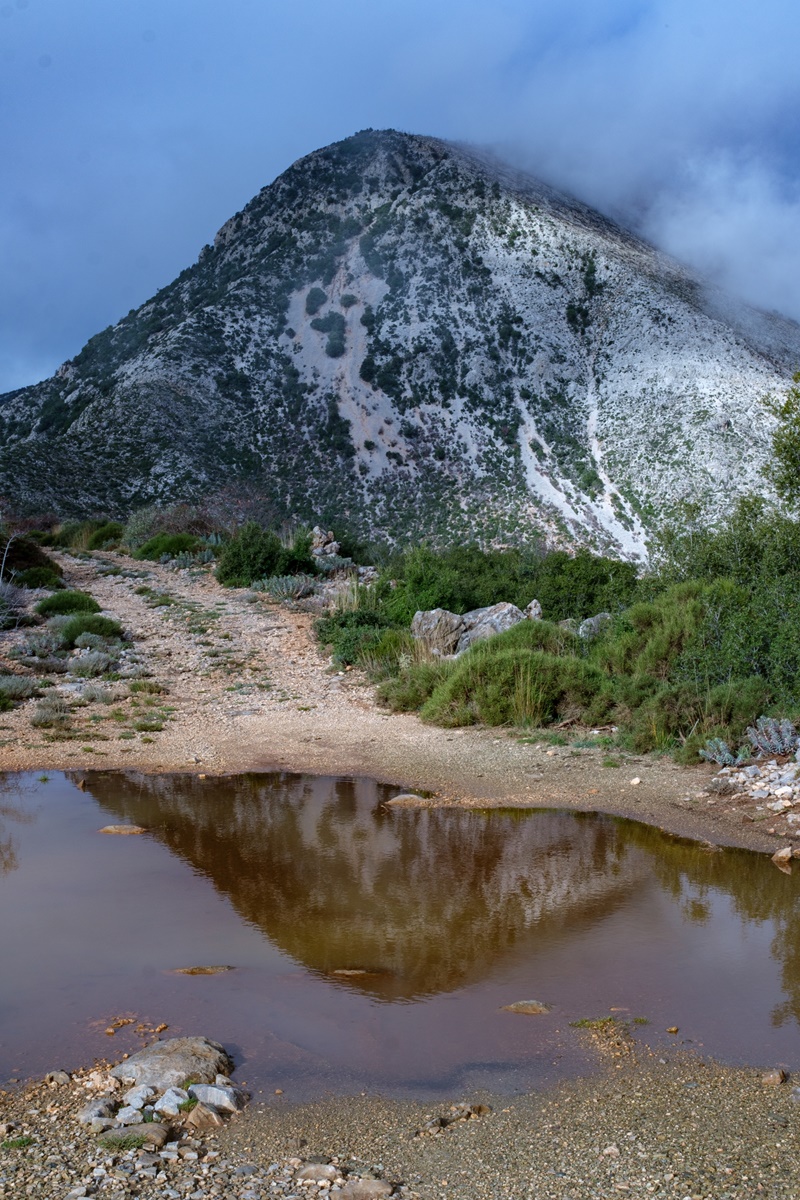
{"points": [[18, 687], [67, 602], [17, 1143], [89, 622], [39, 577]]}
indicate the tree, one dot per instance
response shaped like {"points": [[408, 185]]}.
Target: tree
{"points": [[784, 471]]}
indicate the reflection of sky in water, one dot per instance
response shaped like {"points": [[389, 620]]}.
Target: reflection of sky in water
{"points": [[451, 915]]}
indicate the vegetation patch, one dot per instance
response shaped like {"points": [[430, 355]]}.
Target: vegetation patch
{"points": [[67, 602]]}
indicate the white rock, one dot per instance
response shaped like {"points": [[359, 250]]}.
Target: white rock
{"points": [[137, 1097], [170, 1103], [227, 1099], [128, 1115]]}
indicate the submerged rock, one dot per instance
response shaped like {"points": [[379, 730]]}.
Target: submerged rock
{"points": [[533, 1007]]}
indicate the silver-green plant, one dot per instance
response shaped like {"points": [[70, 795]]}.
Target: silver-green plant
{"points": [[718, 751], [769, 736], [286, 587]]}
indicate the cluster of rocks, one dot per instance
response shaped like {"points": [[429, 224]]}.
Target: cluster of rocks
{"points": [[184, 1080], [768, 791], [447, 634], [323, 543]]}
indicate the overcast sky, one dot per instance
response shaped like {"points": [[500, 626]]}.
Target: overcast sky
{"points": [[130, 130]]}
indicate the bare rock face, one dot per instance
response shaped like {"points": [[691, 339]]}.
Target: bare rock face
{"points": [[172, 1062], [485, 622]]}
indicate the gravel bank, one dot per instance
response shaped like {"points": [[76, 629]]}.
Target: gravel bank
{"points": [[685, 1129]]}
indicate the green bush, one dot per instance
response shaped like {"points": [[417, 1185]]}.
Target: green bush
{"points": [[88, 623], [111, 531], [39, 577], [75, 535], [352, 634], [24, 555], [67, 602], [171, 544], [256, 553], [512, 687]]}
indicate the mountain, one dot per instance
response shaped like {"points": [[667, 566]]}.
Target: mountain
{"points": [[407, 336]]}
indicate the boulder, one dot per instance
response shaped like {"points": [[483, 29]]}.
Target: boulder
{"points": [[485, 622], [534, 611], [592, 626], [97, 1110], [174, 1061], [438, 629]]}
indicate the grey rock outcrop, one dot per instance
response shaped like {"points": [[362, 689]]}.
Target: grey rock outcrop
{"points": [[485, 622], [439, 629], [592, 626], [170, 1063], [447, 633]]}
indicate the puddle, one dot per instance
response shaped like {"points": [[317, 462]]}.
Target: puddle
{"points": [[373, 947]]}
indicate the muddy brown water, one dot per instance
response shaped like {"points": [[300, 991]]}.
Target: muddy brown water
{"points": [[374, 947]]}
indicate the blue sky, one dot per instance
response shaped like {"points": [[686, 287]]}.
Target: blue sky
{"points": [[129, 132]]}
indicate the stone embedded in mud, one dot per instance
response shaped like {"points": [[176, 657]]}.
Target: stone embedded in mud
{"points": [[97, 1110], [365, 1189], [172, 1062], [151, 1132], [534, 1007], [774, 1078], [204, 1116]]}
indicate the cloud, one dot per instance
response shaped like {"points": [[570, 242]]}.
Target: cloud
{"points": [[151, 124]]}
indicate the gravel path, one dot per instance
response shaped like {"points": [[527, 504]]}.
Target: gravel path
{"points": [[250, 689]]}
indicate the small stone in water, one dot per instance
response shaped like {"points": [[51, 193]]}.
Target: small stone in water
{"points": [[533, 1007], [123, 830]]}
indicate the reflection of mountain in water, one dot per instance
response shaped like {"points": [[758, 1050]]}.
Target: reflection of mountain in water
{"points": [[9, 789], [422, 901]]}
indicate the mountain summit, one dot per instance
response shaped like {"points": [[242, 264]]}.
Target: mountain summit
{"points": [[408, 335]]}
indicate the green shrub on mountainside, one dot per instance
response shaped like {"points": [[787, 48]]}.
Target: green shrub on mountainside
{"points": [[257, 553], [466, 578]]}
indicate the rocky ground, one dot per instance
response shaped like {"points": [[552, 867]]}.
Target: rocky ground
{"points": [[246, 687], [683, 1129]]}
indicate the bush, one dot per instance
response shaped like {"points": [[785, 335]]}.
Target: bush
{"points": [[352, 634], [39, 577], [254, 553], [17, 687], [88, 623], [315, 300], [87, 666], [109, 533], [512, 687], [75, 535], [67, 602], [167, 544], [24, 555]]}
